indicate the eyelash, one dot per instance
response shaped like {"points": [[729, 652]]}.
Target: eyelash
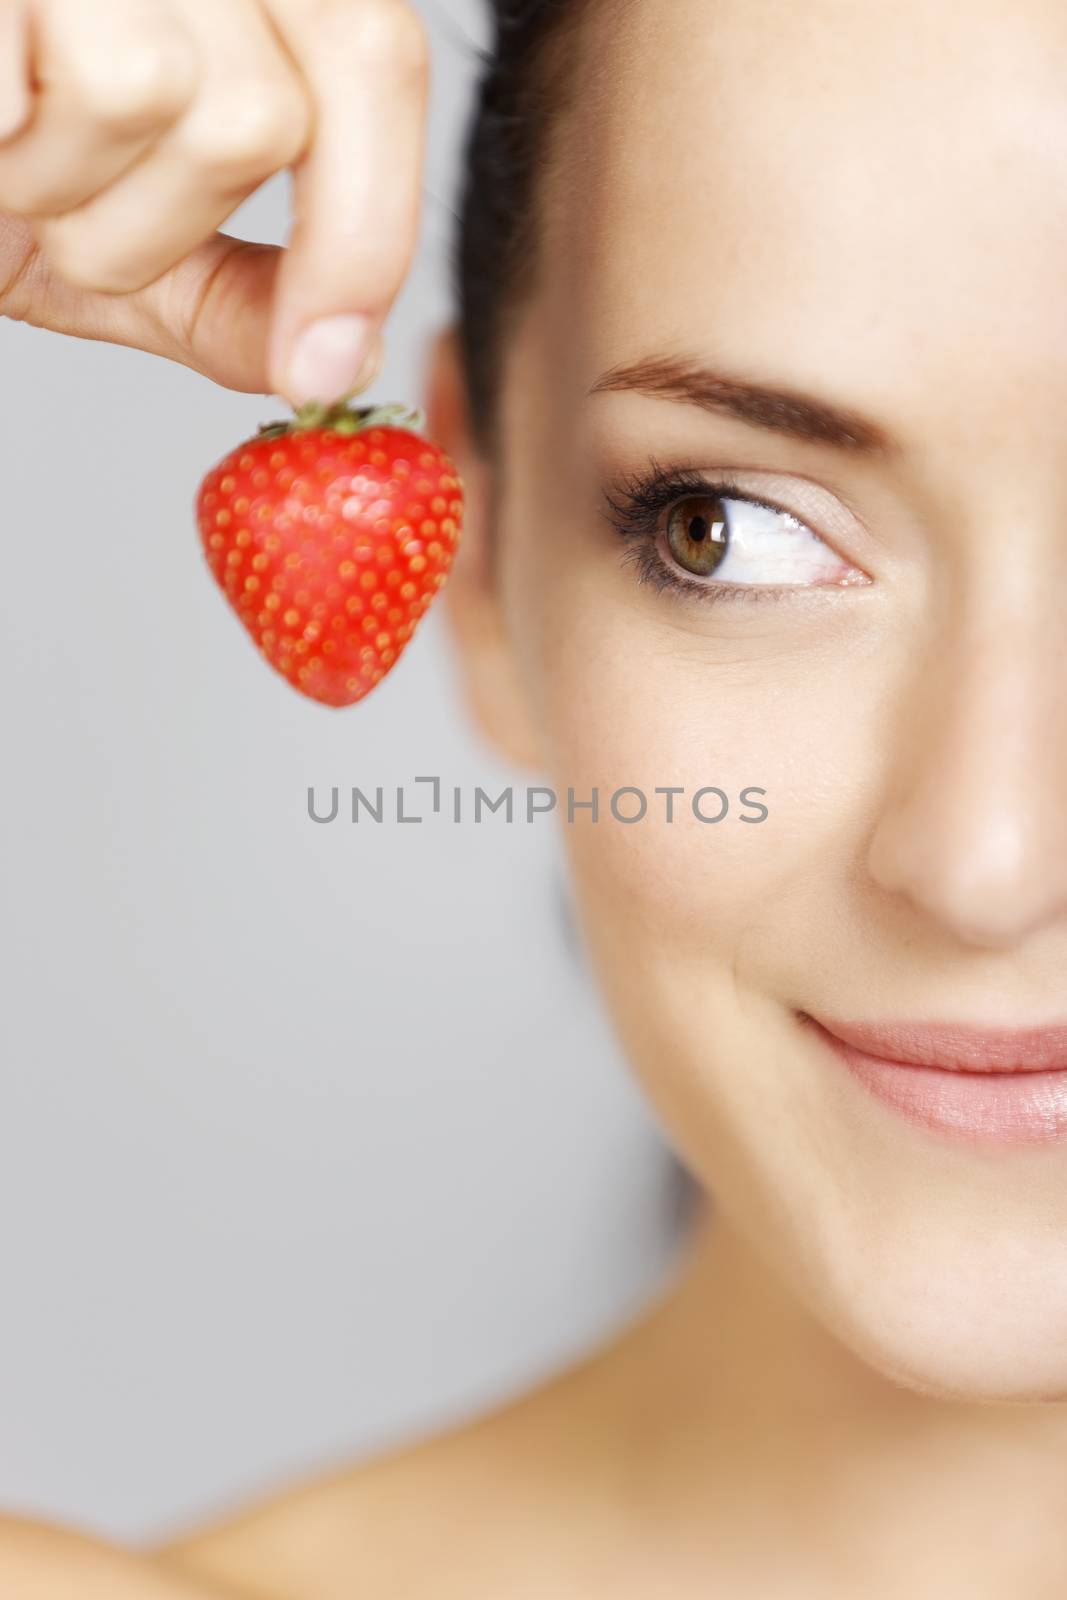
{"points": [[634, 510]]}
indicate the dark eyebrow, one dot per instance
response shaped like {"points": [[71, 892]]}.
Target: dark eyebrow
{"points": [[785, 410]]}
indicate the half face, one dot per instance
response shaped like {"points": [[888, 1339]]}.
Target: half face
{"points": [[784, 507]]}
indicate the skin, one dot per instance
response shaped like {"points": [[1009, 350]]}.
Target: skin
{"points": [[131, 129], [861, 1358]]}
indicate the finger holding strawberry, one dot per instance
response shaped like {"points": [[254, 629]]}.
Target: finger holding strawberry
{"points": [[131, 129]]}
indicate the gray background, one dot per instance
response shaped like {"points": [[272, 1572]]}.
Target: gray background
{"points": [[313, 1140]]}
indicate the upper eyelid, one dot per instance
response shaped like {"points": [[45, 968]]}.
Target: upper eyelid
{"points": [[657, 480], [824, 485], [668, 485]]}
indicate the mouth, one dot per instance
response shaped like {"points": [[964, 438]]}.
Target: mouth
{"points": [[982, 1085]]}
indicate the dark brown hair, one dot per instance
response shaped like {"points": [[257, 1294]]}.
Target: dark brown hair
{"points": [[520, 96]]}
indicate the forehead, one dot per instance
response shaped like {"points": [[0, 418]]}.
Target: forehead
{"points": [[833, 192]]}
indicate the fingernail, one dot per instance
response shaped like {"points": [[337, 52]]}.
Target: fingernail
{"points": [[372, 366], [328, 358]]}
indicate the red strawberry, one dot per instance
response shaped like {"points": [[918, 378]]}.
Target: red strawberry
{"points": [[330, 535]]}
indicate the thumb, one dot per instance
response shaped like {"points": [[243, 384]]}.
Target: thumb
{"points": [[356, 193], [211, 311]]}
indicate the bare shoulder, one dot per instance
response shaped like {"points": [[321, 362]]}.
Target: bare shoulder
{"points": [[39, 1561], [480, 1507]]}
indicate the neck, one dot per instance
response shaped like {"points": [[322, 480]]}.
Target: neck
{"points": [[758, 1430]]}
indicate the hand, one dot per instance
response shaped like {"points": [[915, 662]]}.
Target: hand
{"points": [[130, 130]]}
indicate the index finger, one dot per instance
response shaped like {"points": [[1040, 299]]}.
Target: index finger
{"points": [[357, 189]]}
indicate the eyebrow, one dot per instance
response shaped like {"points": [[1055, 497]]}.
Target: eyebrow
{"points": [[783, 410]]}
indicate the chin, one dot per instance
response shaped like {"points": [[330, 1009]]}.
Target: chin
{"points": [[981, 1336]]}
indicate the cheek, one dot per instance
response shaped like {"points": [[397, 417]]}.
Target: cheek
{"points": [[627, 699], [705, 935]]}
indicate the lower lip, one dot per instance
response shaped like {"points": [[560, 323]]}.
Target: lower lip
{"points": [[975, 1107]]}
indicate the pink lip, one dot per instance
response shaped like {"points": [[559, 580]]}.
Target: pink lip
{"points": [[979, 1084]]}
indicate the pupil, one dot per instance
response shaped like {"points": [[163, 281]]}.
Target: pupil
{"points": [[698, 529]]}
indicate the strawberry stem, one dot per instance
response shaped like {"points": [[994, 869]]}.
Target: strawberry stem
{"points": [[345, 418]]}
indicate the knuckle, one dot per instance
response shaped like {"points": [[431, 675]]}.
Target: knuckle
{"points": [[392, 35], [388, 34], [37, 204], [32, 195], [256, 130], [19, 195], [87, 262], [20, 270], [147, 83]]}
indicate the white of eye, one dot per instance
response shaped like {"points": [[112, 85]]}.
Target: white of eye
{"points": [[765, 546]]}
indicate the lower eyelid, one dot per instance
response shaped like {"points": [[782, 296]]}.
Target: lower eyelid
{"points": [[741, 591], [654, 571], [674, 577]]}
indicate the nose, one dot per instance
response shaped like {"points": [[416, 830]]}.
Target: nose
{"points": [[972, 827]]}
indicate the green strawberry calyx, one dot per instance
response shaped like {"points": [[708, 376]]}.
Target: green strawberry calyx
{"points": [[345, 418]]}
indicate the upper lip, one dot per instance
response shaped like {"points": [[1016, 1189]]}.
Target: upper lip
{"points": [[955, 1046]]}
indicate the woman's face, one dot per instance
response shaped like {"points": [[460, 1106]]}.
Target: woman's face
{"points": [[864, 205]]}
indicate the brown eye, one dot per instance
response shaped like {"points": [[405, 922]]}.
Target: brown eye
{"points": [[697, 534]]}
